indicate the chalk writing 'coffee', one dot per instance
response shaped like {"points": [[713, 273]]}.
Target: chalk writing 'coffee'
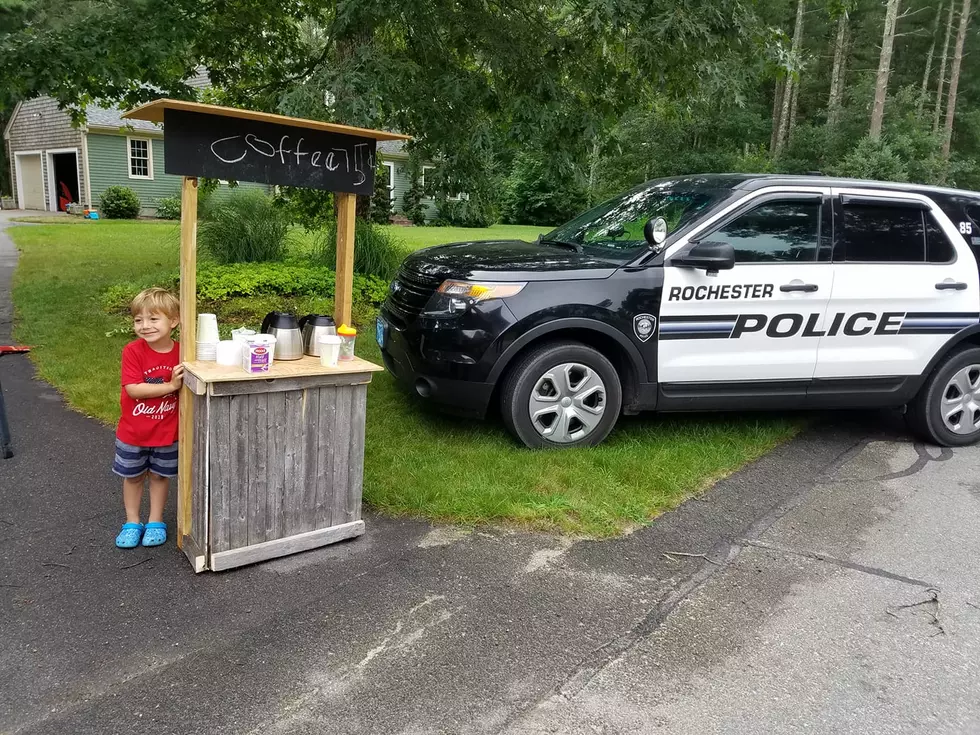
{"points": [[235, 148]]}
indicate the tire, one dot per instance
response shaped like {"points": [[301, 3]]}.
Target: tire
{"points": [[561, 395], [953, 384]]}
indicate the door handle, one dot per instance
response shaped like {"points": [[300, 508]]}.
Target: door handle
{"points": [[805, 287], [950, 286]]}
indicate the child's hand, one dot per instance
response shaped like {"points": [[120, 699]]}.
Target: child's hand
{"points": [[177, 378]]}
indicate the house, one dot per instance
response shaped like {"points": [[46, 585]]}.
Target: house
{"points": [[53, 163]]}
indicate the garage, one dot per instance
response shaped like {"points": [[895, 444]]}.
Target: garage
{"points": [[30, 180]]}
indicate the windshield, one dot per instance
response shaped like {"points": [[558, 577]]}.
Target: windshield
{"points": [[617, 225]]}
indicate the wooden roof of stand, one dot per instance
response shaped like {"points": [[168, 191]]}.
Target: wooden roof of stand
{"points": [[153, 112]]}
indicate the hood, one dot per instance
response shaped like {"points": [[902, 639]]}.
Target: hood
{"points": [[504, 260]]}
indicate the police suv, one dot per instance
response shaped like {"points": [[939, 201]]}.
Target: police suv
{"points": [[714, 292]]}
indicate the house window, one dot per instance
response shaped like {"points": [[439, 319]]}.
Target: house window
{"points": [[140, 158], [391, 179]]}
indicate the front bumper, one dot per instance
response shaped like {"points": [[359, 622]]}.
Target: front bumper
{"points": [[447, 361]]}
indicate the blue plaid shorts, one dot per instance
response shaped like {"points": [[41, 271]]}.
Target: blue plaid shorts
{"points": [[133, 461]]}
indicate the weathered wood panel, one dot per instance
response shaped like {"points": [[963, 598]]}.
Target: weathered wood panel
{"points": [[341, 455], [219, 444], [306, 510], [238, 482], [275, 465], [197, 455], [324, 459], [284, 546], [258, 473], [296, 425], [355, 462]]}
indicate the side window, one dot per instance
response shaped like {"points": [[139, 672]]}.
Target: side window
{"points": [[775, 232], [886, 234], [938, 247]]}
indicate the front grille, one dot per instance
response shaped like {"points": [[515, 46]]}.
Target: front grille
{"points": [[409, 293]]}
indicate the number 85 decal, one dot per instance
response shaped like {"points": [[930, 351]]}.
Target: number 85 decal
{"points": [[966, 228]]}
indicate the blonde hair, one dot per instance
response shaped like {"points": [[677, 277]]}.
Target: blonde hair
{"points": [[158, 300]]}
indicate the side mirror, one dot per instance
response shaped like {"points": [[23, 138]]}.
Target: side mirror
{"points": [[655, 231], [712, 256]]}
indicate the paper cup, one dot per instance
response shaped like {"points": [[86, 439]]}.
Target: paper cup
{"points": [[329, 350]]}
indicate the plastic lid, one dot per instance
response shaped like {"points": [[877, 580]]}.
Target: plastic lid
{"points": [[346, 331]]}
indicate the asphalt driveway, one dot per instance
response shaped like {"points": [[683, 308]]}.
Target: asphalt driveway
{"points": [[829, 587]]}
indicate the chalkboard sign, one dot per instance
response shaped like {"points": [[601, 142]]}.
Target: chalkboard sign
{"points": [[221, 147]]}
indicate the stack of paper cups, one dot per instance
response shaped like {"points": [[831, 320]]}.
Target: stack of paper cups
{"points": [[207, 336]]}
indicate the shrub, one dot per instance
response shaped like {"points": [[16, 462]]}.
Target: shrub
{"points": [[119, 202], [873, 159], [169, 207], [377, 251], [537, 194], [245, 228], [473, 212], [413, 200], [381, 199]]}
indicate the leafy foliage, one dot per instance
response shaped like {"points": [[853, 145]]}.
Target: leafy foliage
{"points": [[381, 199], [377, 251], [119, 202], [217, 283], [413, 200], [469, 211], [169, 207], [245, 228], [536, 193]]}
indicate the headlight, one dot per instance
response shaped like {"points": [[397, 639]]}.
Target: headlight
{"points": [[455, 297], [480, 291]]}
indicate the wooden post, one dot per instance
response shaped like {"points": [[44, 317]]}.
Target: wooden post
{"points": [[188, 350], [344, 287]]}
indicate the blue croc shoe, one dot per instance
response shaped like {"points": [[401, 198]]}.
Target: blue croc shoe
{"points": [[155, 534], [130, 535]]}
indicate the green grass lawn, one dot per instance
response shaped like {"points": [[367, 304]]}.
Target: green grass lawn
{"points": [[417, 462]]}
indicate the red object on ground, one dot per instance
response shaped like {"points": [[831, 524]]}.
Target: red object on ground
{"points": [[13, 349]]}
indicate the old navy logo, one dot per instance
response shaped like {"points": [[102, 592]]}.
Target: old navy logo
{"points": [[644, 325], [779, 326], [162, 409]]}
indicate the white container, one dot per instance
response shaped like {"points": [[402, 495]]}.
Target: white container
{"points": [[229, 352], [257, 353], [329, 350], [242, 334], [207, 328]]}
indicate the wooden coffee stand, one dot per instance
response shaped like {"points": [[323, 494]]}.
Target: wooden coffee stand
{"points": [[272, 463]]}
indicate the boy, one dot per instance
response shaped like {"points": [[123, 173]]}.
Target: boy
{"points": [[146, 438]]}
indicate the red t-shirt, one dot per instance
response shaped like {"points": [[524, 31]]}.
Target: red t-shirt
{"points": [[148, 422]]}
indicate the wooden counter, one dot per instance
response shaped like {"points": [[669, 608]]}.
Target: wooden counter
{"points": [[277, 460]]}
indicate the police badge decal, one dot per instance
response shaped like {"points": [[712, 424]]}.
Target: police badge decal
{"points": [[644, 325]]}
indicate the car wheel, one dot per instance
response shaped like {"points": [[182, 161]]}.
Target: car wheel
{"points": [[947, 409], [561, 395]]}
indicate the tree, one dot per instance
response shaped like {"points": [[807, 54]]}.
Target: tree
{"points": [[792, 80], [884, 69], [941, 82], [840, 61], [954, 80], [932, 50]]}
